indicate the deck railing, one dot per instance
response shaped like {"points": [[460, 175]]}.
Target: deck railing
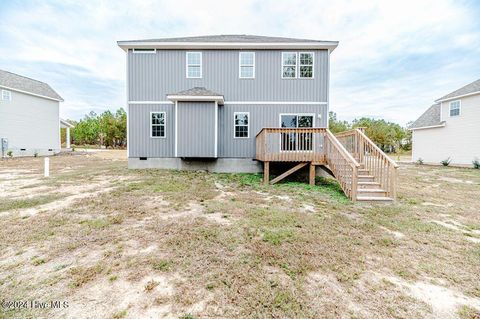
{"points": [[316, 145], [382, 167], [291, 145], [343, 165]]}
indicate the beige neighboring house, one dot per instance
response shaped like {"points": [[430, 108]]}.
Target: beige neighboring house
{"points": [[450, 128]]}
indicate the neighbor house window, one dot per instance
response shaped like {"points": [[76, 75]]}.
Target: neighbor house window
{"points": [[306, 64], [6, 95], [157, 124], [455, 108], [143, 50], [194, 64], [247, 65], [241, 124], [289, 65]]}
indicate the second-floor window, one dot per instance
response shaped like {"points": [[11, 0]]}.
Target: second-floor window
{"points": [[6, 95], [247, 65], [455, 108], [194, 65], [297, 65]]}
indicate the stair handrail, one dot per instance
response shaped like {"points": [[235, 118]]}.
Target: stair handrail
{"points": [[378, 149], [348, 183]]}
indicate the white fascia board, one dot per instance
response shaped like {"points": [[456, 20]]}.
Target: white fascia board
{"points": [[66, 124], [195, 98], [426, 127], [457, 97], [30, 93], [125, 45]]}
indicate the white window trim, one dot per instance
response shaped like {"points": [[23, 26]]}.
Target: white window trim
{"points": [[9, 95], [186, 65], [248, 125], [459, 108], [143, 51], [297, 114], [313, 66], [165, 124], [240, 65], [296, 66]]}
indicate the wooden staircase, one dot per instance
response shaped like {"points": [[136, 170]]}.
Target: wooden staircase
{"points": [[364, 172]]}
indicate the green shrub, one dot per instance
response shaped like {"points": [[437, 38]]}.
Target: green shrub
{"points": [[10, 154], [35, 154], [420, 161], [476, 163], [446, 162]]}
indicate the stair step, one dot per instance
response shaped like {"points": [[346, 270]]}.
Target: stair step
{"points": [[366, 176], [368, 183], [364, 185], [374, 199], [371, 190]]}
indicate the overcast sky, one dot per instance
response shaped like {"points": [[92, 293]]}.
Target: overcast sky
{"points": [[393, 59]]}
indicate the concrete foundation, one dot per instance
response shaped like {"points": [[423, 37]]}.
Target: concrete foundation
{"points": [[220, 165]]}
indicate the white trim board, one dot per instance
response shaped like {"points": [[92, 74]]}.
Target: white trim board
{"points": [[30, 93], [427, 127], [240, 102], [457, 97]]}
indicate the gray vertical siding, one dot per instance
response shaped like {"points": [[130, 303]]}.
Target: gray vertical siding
{"points": [[153, 76], [196, 129], [260, 116], [140, 144]]}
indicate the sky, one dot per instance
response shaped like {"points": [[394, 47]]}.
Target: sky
{"points": [[393, 60]]}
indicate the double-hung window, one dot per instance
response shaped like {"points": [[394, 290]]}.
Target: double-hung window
{"points": [[194, 65], [455, 108], [6, 95], [157, 124], [297, 65], [247, 65], [241, 124], [289, 65]]}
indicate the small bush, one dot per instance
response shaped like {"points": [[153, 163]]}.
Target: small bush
{"points": [[420, 161], [10, 154], [476, 163], [446, 162], [35, 154]]}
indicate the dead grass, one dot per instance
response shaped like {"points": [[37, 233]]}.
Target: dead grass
{"points": [[192, 245]]}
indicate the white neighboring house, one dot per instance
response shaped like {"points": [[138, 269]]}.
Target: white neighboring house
{"points": [[29, 116], [450, 128]]}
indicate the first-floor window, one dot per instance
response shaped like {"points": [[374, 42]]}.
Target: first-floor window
{"points": [[157, 124], [6, 95], [455, 108], [296, 140], [241, 123]]}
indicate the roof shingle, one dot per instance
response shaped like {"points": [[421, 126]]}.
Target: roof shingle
{"points": [[467, 89], [197, 91], [22, 83], [430, 117]]}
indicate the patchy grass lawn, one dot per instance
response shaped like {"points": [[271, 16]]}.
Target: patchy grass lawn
{"points": [[119, 243]]}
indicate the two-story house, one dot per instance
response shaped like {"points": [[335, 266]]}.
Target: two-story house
{"points": [[449, 129], [228, 103]]}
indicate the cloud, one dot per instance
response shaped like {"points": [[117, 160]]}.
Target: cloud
{"points": [[393, 60]]}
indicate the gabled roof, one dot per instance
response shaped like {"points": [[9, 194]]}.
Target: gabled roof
{"points": [[430, 118], [469, 89], [197, 91], [232, 41], [196, 94], [26, 85]]}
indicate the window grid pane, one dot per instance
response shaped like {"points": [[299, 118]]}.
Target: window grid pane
{"points": [[193, 71], [241, 125], [246, 58], [246, 71]]}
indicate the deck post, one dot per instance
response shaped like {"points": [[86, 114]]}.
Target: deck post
{"points": [[266, 172], [312, 174]]}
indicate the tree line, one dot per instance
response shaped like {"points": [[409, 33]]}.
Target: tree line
{"points": [[388, 136], [107, 129]]}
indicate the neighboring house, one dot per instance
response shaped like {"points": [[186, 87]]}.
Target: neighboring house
{"points": [[29, 116], [450, 128], [228, 103]]}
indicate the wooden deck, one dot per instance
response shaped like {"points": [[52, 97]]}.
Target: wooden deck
{"points": [[362, 169]]}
